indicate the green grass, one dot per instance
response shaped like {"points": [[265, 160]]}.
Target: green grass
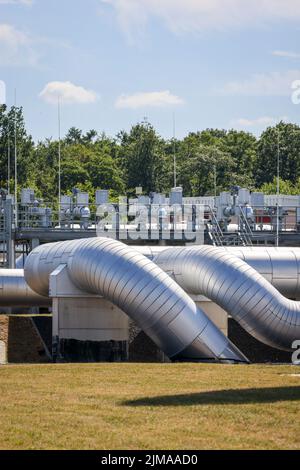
{"points": [[163, 406]]}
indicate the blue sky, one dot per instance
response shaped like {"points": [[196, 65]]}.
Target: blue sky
{"points": [[212, 63]]}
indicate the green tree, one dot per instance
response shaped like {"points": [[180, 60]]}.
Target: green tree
{"points": [[83, 166], [199, 165], [74, 136], [11, 120], [44, 176], [141, 156], [284, 138], [285, 187], [241, 146]]}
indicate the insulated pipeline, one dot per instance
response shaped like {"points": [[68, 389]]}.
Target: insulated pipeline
{"points": [[239, 289], [279, 266], [141, 289], [15, 292]]}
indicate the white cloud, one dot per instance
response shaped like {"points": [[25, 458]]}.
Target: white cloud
{"points": [[68, 93], [16, 2], [268, 84], [287, 54], [16, 47], [20, 48], [202, 15], [263, 121], [151, 99]]}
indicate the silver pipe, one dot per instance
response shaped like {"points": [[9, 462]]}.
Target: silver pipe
{"points": [[236, 287], [141, 289], [279, 266], [15, 292]]}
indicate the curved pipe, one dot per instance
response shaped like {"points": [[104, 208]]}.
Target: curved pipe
{"points": [[240, 290], [15, 292], [279, 266], [141, 289]]}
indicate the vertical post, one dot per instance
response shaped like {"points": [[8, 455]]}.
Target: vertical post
{"points": [[55, 330], [16, 165], [174, 151], [8, 166], [215, 178], [10, 244], [117, 215], [278, 187], [59, 163]]}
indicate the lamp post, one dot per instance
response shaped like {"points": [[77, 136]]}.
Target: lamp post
{"points": [[59, 161], [8, 165], [174, 151], [16, 162]]}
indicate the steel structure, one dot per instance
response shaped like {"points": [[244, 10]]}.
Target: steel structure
{"points": [[151, 285], [141, 289], [239, 289]]}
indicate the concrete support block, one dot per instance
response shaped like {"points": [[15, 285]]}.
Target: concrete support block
{"points": [[89, 328], [86, 328], [88, 319], [3, 353]]}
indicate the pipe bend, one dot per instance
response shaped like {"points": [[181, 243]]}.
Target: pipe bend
{"points": [[141, 289], [240, 290]]}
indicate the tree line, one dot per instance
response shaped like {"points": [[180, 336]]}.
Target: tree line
{"points": [[208, 161]]}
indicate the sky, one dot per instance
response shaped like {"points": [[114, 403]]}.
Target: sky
{"points": [[112, 63]]}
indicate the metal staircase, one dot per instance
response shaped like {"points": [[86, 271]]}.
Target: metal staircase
{"points": [[214, 230], [217, 237], [245, 231]]}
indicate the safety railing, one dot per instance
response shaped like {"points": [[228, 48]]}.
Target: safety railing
{"points": [[149, 219], [3, 241], [214, 229], [155, 221]]}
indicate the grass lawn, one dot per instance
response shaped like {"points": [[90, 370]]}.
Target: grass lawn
{"points": [[142, 406]]}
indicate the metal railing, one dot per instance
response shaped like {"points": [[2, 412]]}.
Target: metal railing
{"points": [[246, 232], [164, 218], [215, 232], [3, 242], [152, 222]]}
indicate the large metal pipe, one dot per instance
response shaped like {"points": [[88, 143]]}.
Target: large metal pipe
{"points": [[141, 289], [279, 266], [15, 292], [236, 287]]}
